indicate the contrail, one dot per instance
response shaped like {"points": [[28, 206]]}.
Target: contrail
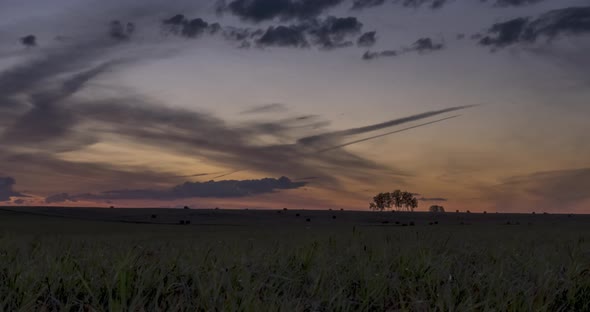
{"points": [[379, 126], [229, 173], [382, 135], [356, 141]]}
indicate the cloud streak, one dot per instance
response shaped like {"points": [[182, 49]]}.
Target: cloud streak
{"points": [[383, 135], [391, 123]]}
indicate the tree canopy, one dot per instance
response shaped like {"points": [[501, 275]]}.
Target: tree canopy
{"points": [[397, 200]]}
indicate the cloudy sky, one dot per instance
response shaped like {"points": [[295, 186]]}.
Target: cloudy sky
{"points": [[473, 104]]}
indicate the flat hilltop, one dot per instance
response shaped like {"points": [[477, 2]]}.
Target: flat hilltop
{"points": [[283, 216]]}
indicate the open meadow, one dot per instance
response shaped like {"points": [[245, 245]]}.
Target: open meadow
{"points": [[65, 259]]}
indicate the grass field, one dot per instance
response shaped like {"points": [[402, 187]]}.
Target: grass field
{"points": [[143, 260]]}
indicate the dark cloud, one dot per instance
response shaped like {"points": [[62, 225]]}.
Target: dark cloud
{"points": [[120, 30], [433, 199], [332, 32], [328, 33], [29, 41], [267, 108], [551, 25], [367, 39], [506, 33], [369, 55], [261, 10], [514, 3], [434, 4], [6, 189], [424, 45], [421, 46], [210, 189], [19, 201], [284, 36], [190, 28]]}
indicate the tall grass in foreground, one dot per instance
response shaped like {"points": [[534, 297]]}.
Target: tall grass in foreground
{"points": [[299, 269]]}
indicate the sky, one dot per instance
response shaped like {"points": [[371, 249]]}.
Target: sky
{"points": [[309, 104]]}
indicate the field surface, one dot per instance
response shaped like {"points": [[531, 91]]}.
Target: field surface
{"points": [[67, 259]]}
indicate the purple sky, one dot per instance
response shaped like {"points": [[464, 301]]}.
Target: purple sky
{"points": [[126, 103]]}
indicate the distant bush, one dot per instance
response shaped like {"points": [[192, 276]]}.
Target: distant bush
{"points": [[308, 220], [186, 207], [436, 209], [154, 216]]}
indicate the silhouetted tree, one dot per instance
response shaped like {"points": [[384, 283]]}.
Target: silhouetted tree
{"points": [[381, 201], [397, 199], [409, 201], [436, 209]]}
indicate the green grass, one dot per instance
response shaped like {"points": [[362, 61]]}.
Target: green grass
{"points": [[48, 264]]}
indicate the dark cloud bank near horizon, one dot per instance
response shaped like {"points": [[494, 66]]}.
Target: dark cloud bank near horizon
{"points": [[210, 189]]}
